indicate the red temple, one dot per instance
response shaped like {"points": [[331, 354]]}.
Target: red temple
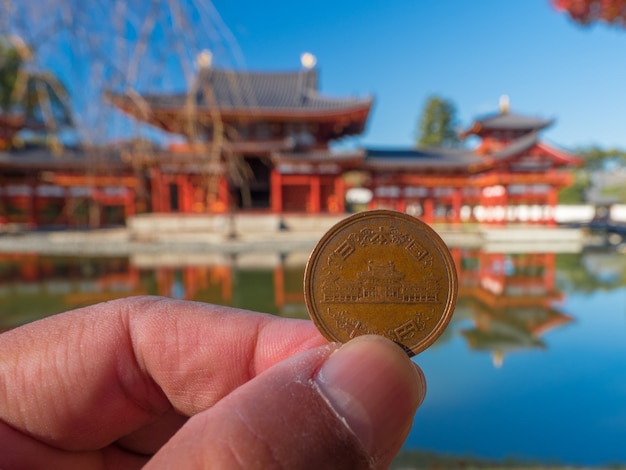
{"points": [[261, 142]]}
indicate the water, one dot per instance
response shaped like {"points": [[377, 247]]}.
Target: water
{"points": [[532, 367]]}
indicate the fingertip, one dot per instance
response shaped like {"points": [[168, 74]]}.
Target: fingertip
{"points": [[421, 379], [375, 389]]}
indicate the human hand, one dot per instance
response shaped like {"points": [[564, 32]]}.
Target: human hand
{"points": [[169, 383]]}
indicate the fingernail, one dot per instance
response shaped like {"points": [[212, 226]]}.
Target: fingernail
{"points": [[375, 390]]}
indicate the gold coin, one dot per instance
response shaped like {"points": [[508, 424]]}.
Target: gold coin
{"points": [[381, 272]]}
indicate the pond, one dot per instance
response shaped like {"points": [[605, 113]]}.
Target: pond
{"points": [[531, 369]]}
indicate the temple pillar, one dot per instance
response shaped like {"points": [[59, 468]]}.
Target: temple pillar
{"points": [[429, 208], [340, 193], [553, 200], [129, 203], [314, 193], [185, 191], [276, 192], [223, 195]]}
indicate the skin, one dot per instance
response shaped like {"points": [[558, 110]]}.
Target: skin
{"points": [[161, 383]]}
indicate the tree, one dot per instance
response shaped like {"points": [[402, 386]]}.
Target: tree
{"points": [[598, 158], [37, 96], [591, 11], [437, 124]]}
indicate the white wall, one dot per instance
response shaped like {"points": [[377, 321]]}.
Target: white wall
{"points": [[523, 213]]}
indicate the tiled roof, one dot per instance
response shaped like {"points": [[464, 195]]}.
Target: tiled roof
{"points": [[436, 158], [67, 157], [521, 144], [510, 121], [243, 90]]}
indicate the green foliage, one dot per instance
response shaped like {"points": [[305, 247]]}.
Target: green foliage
{"points": [[575, 194], [574, 276], [437, 124], [10, 63], [597, 157], [40, 96]]}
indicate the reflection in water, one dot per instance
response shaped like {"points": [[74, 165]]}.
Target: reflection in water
{"points": [[509, 299], [566, 403]]}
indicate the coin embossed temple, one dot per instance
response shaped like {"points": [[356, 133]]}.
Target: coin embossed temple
{"points": [[262, 142]]}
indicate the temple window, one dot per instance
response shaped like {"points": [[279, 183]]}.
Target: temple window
{"points": [[387, 191], [415, 191], [439, 192]]}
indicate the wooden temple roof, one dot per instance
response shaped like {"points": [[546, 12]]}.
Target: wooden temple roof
{"points": [[439, 159], [65, 158], [517, 146], [250, 95], [289, 91], [464, 160], [507, 122]]}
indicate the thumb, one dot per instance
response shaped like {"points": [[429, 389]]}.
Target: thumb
{"points": [[330, 407]]}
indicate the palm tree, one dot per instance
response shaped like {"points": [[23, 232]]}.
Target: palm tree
{"points": [[29, 98]]}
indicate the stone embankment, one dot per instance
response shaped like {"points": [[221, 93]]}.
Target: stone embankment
{"points": [[259, 233]]}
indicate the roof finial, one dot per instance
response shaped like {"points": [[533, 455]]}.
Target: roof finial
{"points": [[204, 59], [504, 104], [308, 60]]}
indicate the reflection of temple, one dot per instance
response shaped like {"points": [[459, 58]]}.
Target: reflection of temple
{"points": [[380, 283], [511, 297]]}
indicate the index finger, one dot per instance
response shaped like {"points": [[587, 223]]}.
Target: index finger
{"points": [[81, 380]]}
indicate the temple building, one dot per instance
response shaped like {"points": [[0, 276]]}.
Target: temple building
{"points": [[255, 141], [250, 141], [511, 176]]}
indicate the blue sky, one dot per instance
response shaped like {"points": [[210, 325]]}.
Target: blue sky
{"points": [[470, 52]]}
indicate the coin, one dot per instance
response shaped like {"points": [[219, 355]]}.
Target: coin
{"points": [[381, 272]]}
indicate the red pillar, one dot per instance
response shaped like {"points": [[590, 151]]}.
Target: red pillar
{"points": [[276, 192], [223, 194], [553, 200], [164, 193], [314, 194], [429, 208], [185, 193], [129, 203], [340, 193]]}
